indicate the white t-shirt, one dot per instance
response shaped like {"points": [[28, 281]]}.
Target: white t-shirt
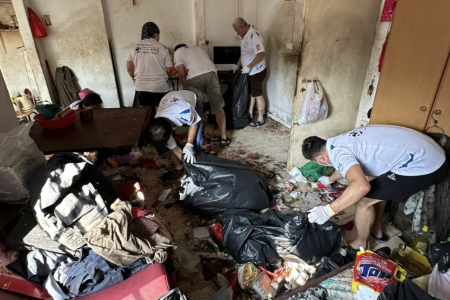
{"points": [[195, 60], [379, 149], [252, 44], [150, 59], [75, 105], [179, 107]]}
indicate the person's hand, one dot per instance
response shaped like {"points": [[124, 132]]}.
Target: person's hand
{"points": [[325, 180], [320, 214], [235, 68], [188, 152], [246, 70]]}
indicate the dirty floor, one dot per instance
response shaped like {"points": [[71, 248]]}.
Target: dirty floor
{"points": [[264, 149]]}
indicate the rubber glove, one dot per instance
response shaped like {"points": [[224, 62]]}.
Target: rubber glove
{"points": [[188, 152], [320, 214], [246, 70], [325, 180], [235, 68]]}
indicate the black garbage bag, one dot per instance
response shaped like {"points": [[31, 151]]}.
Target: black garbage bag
{"points": [[174, 294], [236, 99], [439, 253], [266, 238], [326, 266], [227, 184], [406, 290]]}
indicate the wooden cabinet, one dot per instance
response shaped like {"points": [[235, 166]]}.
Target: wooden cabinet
{"points": [[415, 78]]}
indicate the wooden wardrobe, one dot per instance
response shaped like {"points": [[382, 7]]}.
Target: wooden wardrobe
{"points": [[415, 77]]}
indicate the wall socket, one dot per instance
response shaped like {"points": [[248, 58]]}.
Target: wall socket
{"points": [[290, 46]]}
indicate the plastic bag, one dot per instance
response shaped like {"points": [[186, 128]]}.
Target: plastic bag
{"points": [[314, 106], [406, 290], [265, 238], [226, 184], [375, 272], [236, 98], [174, 294], [247, 273], [439, 253]]}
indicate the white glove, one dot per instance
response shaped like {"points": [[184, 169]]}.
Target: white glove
{"points": [[246, 70], [188, 152], [235, 68], [325, 180], [320, 214]]}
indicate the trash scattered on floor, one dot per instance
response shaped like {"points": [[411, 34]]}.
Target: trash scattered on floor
{"points": [[165, 193]]}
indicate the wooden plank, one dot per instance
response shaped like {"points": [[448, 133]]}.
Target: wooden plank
{"points": [[315, 281], [111, 128], [416, 55]]}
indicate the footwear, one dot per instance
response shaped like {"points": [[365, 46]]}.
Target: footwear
{"points": [[384, 238], [225, 142], [172, 175], [257, 123]]}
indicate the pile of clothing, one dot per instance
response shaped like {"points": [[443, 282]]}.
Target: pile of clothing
{"points": [[77, 207]]}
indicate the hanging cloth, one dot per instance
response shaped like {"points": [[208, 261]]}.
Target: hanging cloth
{"points": [[37, 29]]}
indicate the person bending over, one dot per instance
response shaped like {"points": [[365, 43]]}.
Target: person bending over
{"points": [[381, 163], [178, 108]]}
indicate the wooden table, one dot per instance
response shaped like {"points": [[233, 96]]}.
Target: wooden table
{"points": [[113, 130]]}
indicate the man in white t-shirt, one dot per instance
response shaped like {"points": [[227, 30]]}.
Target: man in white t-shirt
{"points": [[196, 69], [149, 64], [380, 162], [178, 108], [253, 62]]}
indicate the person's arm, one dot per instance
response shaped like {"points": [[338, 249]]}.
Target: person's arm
{"points": [[177, 151], [182, 73], [259, 57], [192, 133], [239, 62], [130, 68], [335, 176], [357, 189], [168, 70]]}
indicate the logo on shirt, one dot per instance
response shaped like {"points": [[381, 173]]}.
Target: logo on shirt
{"points": [[405, 165], [258, 47], [356, 133], [392, 177], [184, 115], [339, 168]]}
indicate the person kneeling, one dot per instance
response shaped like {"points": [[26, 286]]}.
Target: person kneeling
{"points": [[176, 109]]}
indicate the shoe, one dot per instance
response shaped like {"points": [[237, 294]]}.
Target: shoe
{"points": [[172, 175]]}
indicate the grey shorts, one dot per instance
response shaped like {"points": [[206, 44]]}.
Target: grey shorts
{"points": [[209, 83]]}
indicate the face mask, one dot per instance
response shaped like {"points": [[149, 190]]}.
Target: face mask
{"points": [[325, 165]]}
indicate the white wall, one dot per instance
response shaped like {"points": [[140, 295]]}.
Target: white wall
{"points": [[78, 40], [124, 22], [337, 47], [8, 118]]}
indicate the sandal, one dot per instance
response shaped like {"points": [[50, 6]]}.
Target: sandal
{"points": [[383, 239], [257, 123], [225, 142]]}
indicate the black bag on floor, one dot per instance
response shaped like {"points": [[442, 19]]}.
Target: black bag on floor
{"points": [[227, 184], [265, 238], [236, 99], [406, 290]]}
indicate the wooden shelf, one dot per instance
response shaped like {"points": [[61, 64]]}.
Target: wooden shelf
{"points": [[8, 30]]}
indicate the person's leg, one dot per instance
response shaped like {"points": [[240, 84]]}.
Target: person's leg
{"points": [[364, 218], [379, 211], [222, 124], [251, 107], [261, 105], [212, 89], [176, 163], [199, 138]]}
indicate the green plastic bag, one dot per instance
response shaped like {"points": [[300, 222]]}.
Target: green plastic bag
{"points": [[313, 171]]}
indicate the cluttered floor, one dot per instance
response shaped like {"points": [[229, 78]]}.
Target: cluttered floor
{"points": [[238, 233]]}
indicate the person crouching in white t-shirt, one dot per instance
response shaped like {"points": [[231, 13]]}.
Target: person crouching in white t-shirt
{"points": [[178, 108], [380, 163], [149, 64]]}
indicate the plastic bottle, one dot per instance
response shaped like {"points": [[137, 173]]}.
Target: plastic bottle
{"points": [[400, 257], [421, 241]]}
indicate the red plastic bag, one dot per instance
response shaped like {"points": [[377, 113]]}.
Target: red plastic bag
{"points": [[37, 29], [217, 232]]}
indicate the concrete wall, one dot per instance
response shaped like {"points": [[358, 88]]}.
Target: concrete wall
{"points": [[78, 40], [8, 118], [336, 50], [124, 22]]}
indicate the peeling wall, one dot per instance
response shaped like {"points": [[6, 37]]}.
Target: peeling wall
{"points": [[78, 40], [124, 22], [8, 118], [336, 50]]}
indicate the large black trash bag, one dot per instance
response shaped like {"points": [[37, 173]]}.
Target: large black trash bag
{"points": [[439, 253], [406, 290], [265, 238], [227, 184], [236, 99], [174, 294]]}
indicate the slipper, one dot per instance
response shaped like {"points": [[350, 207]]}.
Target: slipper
{"points": [[256, 123], [225, 142], [383, 239]]}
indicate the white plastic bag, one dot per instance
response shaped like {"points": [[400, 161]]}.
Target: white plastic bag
{"points": [[314, 106]]}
